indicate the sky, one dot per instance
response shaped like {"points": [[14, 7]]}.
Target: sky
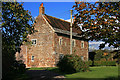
{"points": [[55, 9], [59, 10]]}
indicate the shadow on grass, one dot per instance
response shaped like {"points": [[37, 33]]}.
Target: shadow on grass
{"points": [[56, 70], [55, 74]]}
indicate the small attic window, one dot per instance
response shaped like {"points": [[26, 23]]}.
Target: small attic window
{"points": [[34, 41]]}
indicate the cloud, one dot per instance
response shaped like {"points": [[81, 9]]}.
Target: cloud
{"points": [[95, 43], [35, 17], [69, 20]]}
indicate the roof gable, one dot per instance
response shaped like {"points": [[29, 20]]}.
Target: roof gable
{"points": [[61, 24]]}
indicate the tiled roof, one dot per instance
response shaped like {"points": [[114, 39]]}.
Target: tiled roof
{"points": [[61, 25]]}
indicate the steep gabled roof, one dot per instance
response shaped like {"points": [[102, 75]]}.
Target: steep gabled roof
{"points": [[61, 26]]}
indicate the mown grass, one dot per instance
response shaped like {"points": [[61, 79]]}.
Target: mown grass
{"points": [[109, 73], [106, 72]]}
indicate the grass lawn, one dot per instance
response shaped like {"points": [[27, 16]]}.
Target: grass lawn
{"points": [[107, 72], [96, 73]]}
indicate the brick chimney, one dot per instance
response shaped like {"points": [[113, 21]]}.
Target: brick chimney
{"points": [[41, 9]]}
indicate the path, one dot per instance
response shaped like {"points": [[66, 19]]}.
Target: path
{"points": [[44, 75]]}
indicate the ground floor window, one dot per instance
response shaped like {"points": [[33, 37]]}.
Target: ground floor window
{"points": [[82, 58], [32, 59], [61, 56]]}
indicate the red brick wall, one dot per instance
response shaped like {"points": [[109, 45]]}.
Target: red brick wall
{"points": [[43, 50], [65, 47], [46, 51]]}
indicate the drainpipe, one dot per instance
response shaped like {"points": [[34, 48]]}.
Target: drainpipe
{"points": [[26, 55]]}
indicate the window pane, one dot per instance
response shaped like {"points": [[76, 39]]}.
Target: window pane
{"points": [[34, 42], [32, 58], [82, 58], [73, 43], [82, 44], [60, 41]]}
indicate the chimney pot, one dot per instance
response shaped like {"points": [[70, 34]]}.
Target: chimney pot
{"points": [[41, 9]]}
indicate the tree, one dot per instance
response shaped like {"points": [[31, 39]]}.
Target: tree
{"points": [[99, 21], [17, 24]]}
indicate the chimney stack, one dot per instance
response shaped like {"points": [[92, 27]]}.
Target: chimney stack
{"points": [[41, 9]]}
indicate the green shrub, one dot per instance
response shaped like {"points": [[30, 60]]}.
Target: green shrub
{"points": [[18, 67], [71, 64], [89, 62]]}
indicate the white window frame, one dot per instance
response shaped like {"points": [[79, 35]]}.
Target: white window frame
{"points": [[82, 58], [65, 44], [73, 45], [60, 40], [32, 58], [32, 42], [82, 42], [61, 56]]}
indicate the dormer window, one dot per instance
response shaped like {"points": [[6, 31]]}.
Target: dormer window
{"points": [[34, 41]]}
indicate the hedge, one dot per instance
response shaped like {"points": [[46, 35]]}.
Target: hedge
{"points": [[102, 63]]}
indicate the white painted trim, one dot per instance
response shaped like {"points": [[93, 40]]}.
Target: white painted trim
{"points": [[48, 24]]}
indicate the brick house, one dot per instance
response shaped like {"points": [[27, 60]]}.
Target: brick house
{"points": [[50, 42]]}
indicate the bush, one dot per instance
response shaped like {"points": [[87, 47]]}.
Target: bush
{"points": [[18, 67], [71, 64], [89, 62]]}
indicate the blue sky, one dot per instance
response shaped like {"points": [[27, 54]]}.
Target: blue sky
{"points": [[56, 9]]}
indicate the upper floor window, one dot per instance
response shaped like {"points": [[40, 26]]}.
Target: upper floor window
{"points": [[34, 41], [73, 43], [82, 44], [60, 41]]}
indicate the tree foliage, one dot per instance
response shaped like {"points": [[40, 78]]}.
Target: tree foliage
{"points": [[17, 24], [99, 21]]}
